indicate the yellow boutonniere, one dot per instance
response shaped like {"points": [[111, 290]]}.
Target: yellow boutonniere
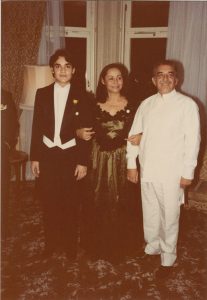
{"points": [[75, 101], [3, 106]]}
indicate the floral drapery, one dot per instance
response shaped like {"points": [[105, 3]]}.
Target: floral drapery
{"points": [[21, 32]]}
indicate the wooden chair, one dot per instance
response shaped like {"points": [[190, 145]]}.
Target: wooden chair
{"points": [[18, 160]]}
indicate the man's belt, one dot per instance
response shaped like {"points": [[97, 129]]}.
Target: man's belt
{"points": [[51, 144]]}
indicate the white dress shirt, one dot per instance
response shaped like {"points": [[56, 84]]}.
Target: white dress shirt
{"points": [[60, 99], [170, 141]]}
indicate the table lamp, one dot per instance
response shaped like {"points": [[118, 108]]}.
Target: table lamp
{"points": [[35, 76]]}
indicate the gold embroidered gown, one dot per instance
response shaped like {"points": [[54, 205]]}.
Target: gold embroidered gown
{"points": [[117, 228]]}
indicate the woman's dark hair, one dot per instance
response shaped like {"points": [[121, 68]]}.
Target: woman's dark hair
{"points": [[61, 52], [101, 91]]}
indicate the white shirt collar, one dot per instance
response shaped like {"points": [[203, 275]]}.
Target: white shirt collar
{"points": [[61, 88], [168, 96]]}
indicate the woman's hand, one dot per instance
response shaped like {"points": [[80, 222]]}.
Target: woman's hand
{"points": [[135, 139], [35, 167], [80, 172], [132, 175], [85, 133]]}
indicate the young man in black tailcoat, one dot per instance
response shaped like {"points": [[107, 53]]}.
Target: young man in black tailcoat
{"points": [[58, 158]]}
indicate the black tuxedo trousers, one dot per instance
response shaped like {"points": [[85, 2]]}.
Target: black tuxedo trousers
{"points": [[57, 187]]}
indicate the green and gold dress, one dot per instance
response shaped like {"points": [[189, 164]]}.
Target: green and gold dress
{"points": [[117, 228]]}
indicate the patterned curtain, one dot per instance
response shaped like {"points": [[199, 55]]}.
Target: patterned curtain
{"points": [[21, 32]]}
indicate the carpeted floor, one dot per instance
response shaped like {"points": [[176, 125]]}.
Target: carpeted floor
{"points": [[26, 276]]}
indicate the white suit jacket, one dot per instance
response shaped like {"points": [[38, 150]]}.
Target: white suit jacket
{"points": [[171, 137]]}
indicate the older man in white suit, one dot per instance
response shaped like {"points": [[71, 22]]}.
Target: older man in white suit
{"points": [[170, 127]]}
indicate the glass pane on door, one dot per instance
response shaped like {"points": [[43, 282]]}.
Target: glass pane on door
{"points": [[150, 13], [77, 47], [144, 54], [75, 13]]}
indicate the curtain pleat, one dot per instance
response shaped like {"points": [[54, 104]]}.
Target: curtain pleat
{"points": [[187, 43]]}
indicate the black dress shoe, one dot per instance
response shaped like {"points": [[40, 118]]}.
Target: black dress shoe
{"points": [[91, 256], [71, 257], [47, 253], [141, 254], [163, 272]]}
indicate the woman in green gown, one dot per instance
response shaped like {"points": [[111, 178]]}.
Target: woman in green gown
{"points": [[117, 224]]}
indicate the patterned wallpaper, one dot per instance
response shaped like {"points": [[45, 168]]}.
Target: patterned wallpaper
{"points": [[21, 33]]}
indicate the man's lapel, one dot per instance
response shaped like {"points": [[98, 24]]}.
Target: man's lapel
{"points": [[69, 109], [50, 110]]}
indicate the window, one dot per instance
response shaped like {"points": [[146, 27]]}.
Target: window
{"points": [[149, 14], [79, 38], [75, 13], [145, 42]]}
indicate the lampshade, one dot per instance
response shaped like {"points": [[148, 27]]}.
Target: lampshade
{"points": [[34, 77]]}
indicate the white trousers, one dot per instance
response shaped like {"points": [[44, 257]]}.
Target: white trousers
{"points": [[161, 212]]}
